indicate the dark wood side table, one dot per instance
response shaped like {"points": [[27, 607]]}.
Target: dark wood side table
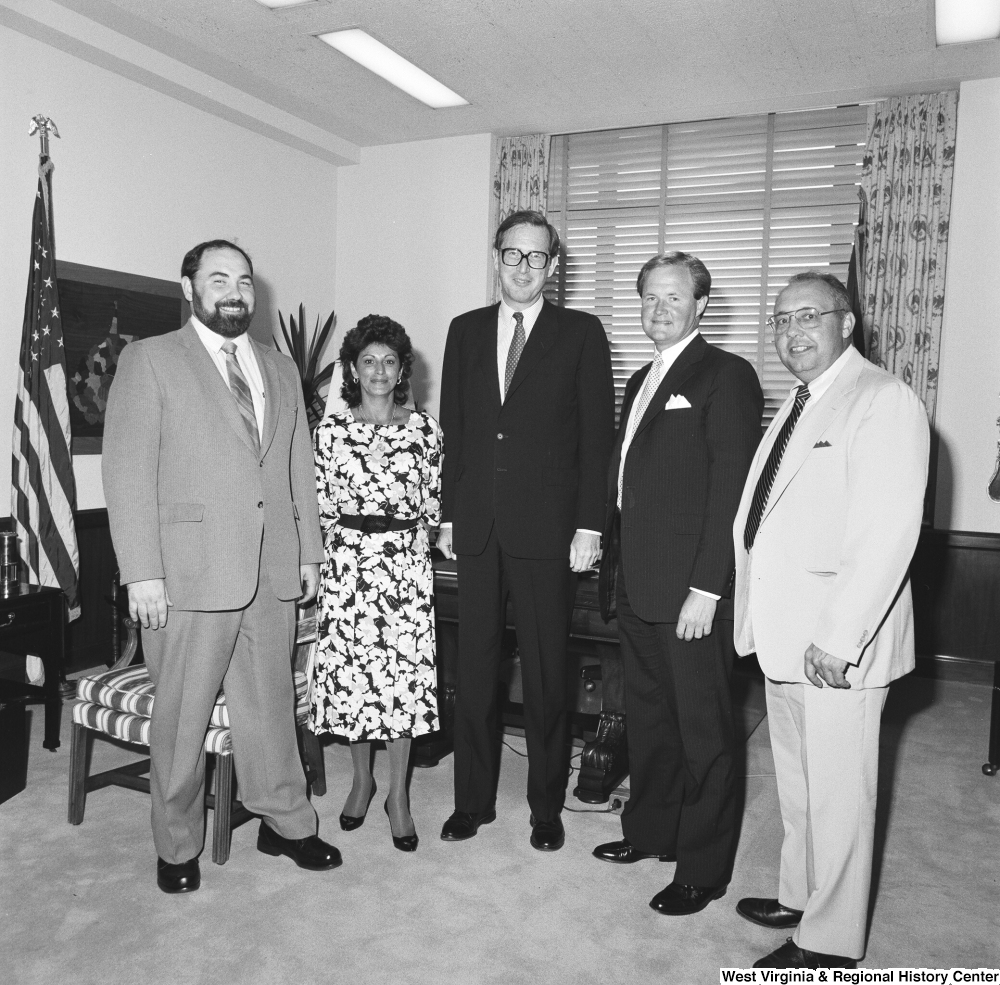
{"points": [[33, 620]]}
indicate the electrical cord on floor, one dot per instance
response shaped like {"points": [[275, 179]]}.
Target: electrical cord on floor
{"points": [[572, 769], [517, 752]]}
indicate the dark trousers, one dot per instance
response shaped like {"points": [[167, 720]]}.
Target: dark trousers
{"points": [[681, 745], [541, 593]]}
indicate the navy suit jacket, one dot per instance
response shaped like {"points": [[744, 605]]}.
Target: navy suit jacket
{"points": [[536, 464], [684, 474]]}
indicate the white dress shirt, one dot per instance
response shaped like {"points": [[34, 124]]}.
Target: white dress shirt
{"points": [[821, 384], [246, 359], [505, 334]]}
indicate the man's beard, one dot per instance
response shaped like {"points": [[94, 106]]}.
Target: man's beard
{"points": [[229, 326]]}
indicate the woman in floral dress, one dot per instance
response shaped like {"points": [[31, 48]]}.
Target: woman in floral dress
{"points": [[379, 477]]}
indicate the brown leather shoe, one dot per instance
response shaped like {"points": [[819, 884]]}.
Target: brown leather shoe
{"points": [[768, 912], [178, 877], [625, 853], [463, 825], [307, 853], [678, 900], [790, 955]]}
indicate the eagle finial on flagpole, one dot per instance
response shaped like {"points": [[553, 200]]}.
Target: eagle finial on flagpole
{"points": [[43, 126]]}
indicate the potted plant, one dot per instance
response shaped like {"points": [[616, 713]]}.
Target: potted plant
{"points": [[306, 353]]}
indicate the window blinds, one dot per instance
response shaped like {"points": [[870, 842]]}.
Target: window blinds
{"points": [[756, 198]]}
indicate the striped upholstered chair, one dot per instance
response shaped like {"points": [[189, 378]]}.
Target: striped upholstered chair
{"points": [[118, 703]]}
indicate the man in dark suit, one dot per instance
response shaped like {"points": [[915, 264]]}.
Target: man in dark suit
{"points": [[211, 491], [689, 426], [527, 408]]}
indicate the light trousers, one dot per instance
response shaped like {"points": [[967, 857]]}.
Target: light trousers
{"points": [[247, 652], [825, 744]]}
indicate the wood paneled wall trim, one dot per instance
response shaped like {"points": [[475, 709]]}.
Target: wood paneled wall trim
{"points": [[955, 577]]}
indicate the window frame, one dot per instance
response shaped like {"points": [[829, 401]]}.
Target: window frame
{"points": [[757, 198]]}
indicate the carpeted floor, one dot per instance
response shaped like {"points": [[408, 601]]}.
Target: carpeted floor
{"points": [[80, 904]]}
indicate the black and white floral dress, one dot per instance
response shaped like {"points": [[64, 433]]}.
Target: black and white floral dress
{"points": [[373, 674]]}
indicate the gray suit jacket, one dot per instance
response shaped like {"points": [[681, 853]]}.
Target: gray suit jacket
{"points": [[188, 499]]}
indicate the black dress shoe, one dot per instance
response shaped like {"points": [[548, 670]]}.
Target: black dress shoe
{"points": [[547, 836], [306, 853], [790, 955], [462, 825], [678, 900], [625, 853], [178, 877], [408, 843], [768, 912], [348, 823]]}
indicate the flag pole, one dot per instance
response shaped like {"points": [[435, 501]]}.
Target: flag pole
{"points": [[43, 126], [43, 488]]}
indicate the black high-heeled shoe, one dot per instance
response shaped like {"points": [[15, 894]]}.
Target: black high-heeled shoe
{"points": [[348, 823], [405, 844]]}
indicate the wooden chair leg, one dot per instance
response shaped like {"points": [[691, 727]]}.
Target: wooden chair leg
{"points": [[312, 751], [79, 742], [222, 829]]}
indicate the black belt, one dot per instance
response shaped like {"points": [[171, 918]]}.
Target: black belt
{"points": [[375, 523]]}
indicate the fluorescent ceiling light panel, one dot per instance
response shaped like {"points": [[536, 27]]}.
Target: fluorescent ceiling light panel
{"points": [[962, 21], [383, 61], [284, 3]]}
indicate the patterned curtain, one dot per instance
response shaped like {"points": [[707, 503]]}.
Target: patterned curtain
{"points": [[520, 181], [909, 163]]}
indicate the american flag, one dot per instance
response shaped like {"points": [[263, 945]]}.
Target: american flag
{"points": [[43, 490]]}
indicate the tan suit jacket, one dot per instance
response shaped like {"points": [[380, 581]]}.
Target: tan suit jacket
{"points": [[188, 498], [829, 563]]}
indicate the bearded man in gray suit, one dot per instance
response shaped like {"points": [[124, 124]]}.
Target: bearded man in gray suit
{"points": [[211, 493]]}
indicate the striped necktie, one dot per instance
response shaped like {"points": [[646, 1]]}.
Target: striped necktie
{"points": [[241, 392], [650, 387], [766, 479], [515, 350]]}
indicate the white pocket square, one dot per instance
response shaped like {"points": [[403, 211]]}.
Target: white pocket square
{"points": [[677, 401]]}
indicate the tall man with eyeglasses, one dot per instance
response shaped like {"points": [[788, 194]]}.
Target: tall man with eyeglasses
{"points": [[527, 409], [826, 528], [689, 426]]}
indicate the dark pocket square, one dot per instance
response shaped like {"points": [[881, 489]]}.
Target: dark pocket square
{"points": [[822, 444]]}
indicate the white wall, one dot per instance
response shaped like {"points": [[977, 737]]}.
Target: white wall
{"points": [[140, 178], [412, 222], [969, 380]]}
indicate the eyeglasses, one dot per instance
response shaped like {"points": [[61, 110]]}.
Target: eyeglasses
{"points": [[804, 317], [512, 257]]}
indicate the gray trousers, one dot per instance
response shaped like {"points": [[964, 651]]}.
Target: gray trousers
{"points": [[248, 653]]}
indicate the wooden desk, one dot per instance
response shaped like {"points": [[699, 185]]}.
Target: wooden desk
{"points": [[592, 652], [34, 621], [588, 634]]}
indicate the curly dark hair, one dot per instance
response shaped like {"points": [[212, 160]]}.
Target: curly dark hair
{"points": [[375, 330]]}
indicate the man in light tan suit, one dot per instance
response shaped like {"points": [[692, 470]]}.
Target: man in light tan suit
{"points": [[824, 535], [211, 493]]}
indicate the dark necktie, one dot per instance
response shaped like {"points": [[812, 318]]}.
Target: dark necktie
{"points": [[766, 479], [241, 393], [515, 350]]}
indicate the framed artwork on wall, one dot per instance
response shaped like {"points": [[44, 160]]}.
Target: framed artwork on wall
{"points": [[102, 311]]}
